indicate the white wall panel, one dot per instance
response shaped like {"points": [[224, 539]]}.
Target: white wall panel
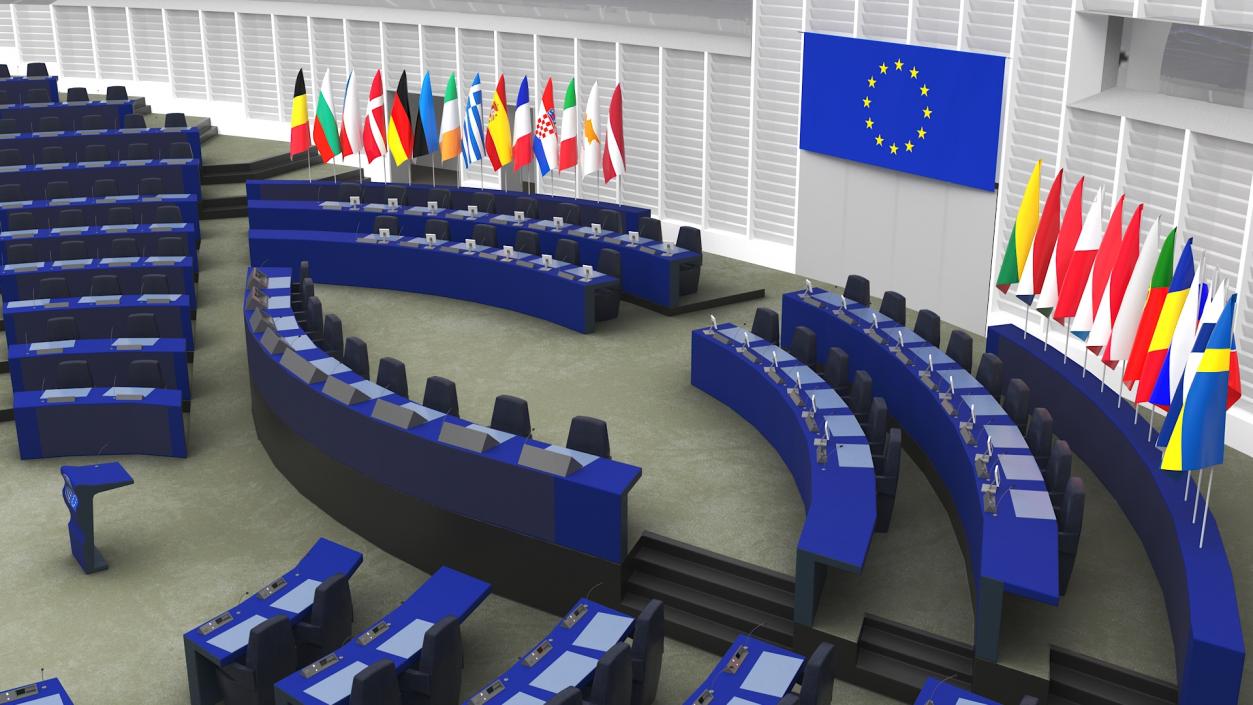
{"points": [[8, 40], [989, 26], [402, 51], [329, 54], [262, 83], [34, 33], [222, 47], [885, 19], [365, 57], [148, 32], [1154, 156], [186, 53], [776, 77], [641, 118], [113, 43], [293, 55], [597, 64], [832, 16], [726, 160], [936, 22], [683, 142], [556, 59], [73, 28]]}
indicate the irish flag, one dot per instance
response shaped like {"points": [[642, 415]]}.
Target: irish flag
{"points": [[1020, 238], [450, 125], [325, 132], [568, 156]]}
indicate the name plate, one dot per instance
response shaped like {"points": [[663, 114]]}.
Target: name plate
{"points": [[342, 392], [396, 415], [467, 438], [302, 368], [545, 460], [320, 665]]}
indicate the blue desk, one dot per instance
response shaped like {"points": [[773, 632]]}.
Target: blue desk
{"points": [[557, 294], [568, 657], [97, 317], [49, 692], [224, 639], [15, 89], [1013, 550], [99, 423], [176, 175], [585, 511], [759, 674], [1196, 582], [82, 484], [839, 493], [397, 637], [33, 367], [99, 239], [937, 692], [27, 115], [21, 281], [417, 195], [648, 271], [75, 142], [96, 210]]}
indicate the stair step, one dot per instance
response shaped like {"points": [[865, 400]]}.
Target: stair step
{"points": [[1121, 678], [707, 578], [934, 641], [895, 678], [702, 604], [1085, 688], [725, 564], [686, 627], [916, 652]]}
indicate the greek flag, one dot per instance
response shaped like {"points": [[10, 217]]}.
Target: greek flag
{"points": [[472, 126]]}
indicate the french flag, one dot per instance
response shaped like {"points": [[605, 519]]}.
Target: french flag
{"points": [[522, 127]]}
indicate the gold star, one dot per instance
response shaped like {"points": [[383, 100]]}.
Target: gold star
{"points": [[909, 146], [926, 112], [925, 90], [866, 102], [899, 64], [922, 134], [883, 68], [893, 148], [869, 123], [878, 140], [871, 81], [913, 72]]}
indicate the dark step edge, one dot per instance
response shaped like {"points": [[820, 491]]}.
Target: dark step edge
{"points": [[686, 627], [896, 679], [916, 653], [651, 560], [711, 607], [1122, 677], [935, 641], [726, 564]]}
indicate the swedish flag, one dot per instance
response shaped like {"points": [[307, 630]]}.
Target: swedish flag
{"points": [[1197, 433]]}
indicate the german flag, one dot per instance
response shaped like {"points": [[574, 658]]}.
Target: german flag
{"points": [[299, 118], [399, 125]]}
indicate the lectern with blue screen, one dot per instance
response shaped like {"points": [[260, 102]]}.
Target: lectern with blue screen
{"points": [[82, 484]]}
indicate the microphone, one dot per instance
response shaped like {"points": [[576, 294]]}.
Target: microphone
{"points": [[775, 357], [588, 596], [713, 322], [931, 697], [106, 445], [809, 287]]}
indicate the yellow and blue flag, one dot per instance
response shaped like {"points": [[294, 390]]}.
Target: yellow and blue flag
{"points": [[1197, 426], [926, 111]]}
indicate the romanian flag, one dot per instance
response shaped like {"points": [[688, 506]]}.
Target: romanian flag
{"points": [[325, 131], [1036, 267], [450, 124], [1019, 246], [1197, 434], [1164, 330], [499, 139], [1067, 238], [399, 127], [299, 118]]}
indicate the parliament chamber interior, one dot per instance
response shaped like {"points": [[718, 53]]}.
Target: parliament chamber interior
{"points": [[564, 352]]}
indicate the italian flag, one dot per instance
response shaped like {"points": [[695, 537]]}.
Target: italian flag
{"points": [[1024, 232], [568, 150], [450, 124], [325, 132]]}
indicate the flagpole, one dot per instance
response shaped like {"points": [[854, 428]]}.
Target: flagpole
{"points": [[1118, 384], [1197, 504], [1066, 348], [1186, 477], [1026, 319], [309, 164], [1044, 331], [1104, 367], [1205, 516], [1135, 408], [1152, 416], [1085, 361]]}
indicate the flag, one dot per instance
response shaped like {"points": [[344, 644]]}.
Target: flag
{"points": [[426, 122], [1098, 277], [1134, 298], [1119, 276], [499, 141], [569, 150], [450, 126], [373, 138], [546, 133], [299, 117], [1158, 286], [589, 161], [1163, 331], [522, 135], [1197, 438], [325, 133], [1080, 266], [1020, 237], [399, 132], [1036, 266], [615, 140], [1072, 223], [1180, 346], [350, 137], [472, 128], [1210, 313]]}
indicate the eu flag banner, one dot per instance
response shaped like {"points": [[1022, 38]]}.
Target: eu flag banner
{"points": [[931, 112]]}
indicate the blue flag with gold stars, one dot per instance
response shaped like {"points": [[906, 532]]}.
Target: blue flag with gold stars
{"points": [[931, 112]]}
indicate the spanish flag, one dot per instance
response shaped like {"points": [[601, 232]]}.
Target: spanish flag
{"points": [[399, 127], [1197, 427], [1022, 235], [499, 136], [299, 118]]}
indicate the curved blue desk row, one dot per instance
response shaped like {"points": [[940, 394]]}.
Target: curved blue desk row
{"points": [[49, 692], [34, 366], [1010, 549], [838, 489], [416, 195], [20, 281], [144, 209], [97, 316], [27, 115], [176, 175], [566, 657], [763, 675], [938, 692], [99, 239], [585, 511], [224, 639], [15, 89], [1196, 582], [397, 637], [649, 270], [99, 421], [75, 142], [558, 294]]}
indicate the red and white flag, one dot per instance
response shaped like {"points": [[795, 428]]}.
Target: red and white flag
{"points": [[615, 143], [1116, 289], [1080, 266], [375, 142]]}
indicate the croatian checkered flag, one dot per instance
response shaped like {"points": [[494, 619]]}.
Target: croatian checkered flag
{"points": [[545, 137]]}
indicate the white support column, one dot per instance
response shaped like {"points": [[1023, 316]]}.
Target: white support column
{"points": [[617, 72], [130, 38], [243, 70], [95, 46], [661, 136], [17, 33], [752, 117], [278, 67], [963, 16], [204, 53], [1007, 124], [911, 8], [169, 54], [578, 167], [1185, 176], [1120, 159], [704, 145], [56, 38], [1062, 132]]}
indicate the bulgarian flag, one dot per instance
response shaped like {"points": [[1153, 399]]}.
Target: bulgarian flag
{"points": [[1072, 223], [1164, 328], [1019, 246], [1036, 267], [568, 154], [1080, 267], [325, 131], [450, 125], [299, 117]]}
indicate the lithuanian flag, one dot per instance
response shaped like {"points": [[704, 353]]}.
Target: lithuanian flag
{"points": [[1024, 232], [299, 118]]}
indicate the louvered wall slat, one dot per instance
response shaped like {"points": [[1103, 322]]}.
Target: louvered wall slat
{"points": [[726, 195], [439, 56], [1237, 14], [682, 197], [113, 42], [402, 50], [936, 22], [641, 125], [293, 55], [186, 53], [261, 81], [989, 26], [1153, 159], [73, 27], [1220, 173], [329, 54], [776, 83], [1124, 8], [478, 56], [885, 19], [598, 65], [517, 59], [1091, 152], [7, 39], [1177, 10], [365, 57], [34, 32], [148, 30], [222, 45], [832, 16], [556, 59]]}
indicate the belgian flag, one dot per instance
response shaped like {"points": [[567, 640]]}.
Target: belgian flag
{"points": [[299, 118]]}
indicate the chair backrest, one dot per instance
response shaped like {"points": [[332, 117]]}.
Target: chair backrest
{"points": [[1018, 401], [105, 285], [893, 306], [485, 234], [116, 93], [38, 95], [154, 284], [689, 238], [48, 123], [4, 71], [891, 455], [650, 228], [10, 157], [52, 288], [145, 373], [8, 126], [391, 222], [345, 192], [766, 324], [92, 121], [21, 220], [357, 356], [306, 289], [835, 367], [76, 94], [392, 376], [304, 269], [175, 120], [20, 252], [438, 228], [70, 218], [804, 345], [1070, 518], [134, 121], [313, 315], [142, 325], [611, 681], [567, 251], [588, 435], [333, 336], [61, 328], [441, 395], [991, 374], [124, 247], [527, 241], [877, 423], [610, 220], [1057, 471], [72, 249], [569, 696], [529, 206], [104, 187], [271, 652], [96, 153], [440, 196], [485, 202], [570, 213], [818, 676], [857, 288], [1040, 434], [150, 187], [961, 349], [511, 415], [648, 644], [181, 150], [609, 262], [10, 192], [441, 661], [171, 246], [57, 189], [72, 374], [332, 610], [167, 214], [120, 215], [51, 154], [36, 68], [862, 393], [396, 191], [376, 684], [138, 150]]}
